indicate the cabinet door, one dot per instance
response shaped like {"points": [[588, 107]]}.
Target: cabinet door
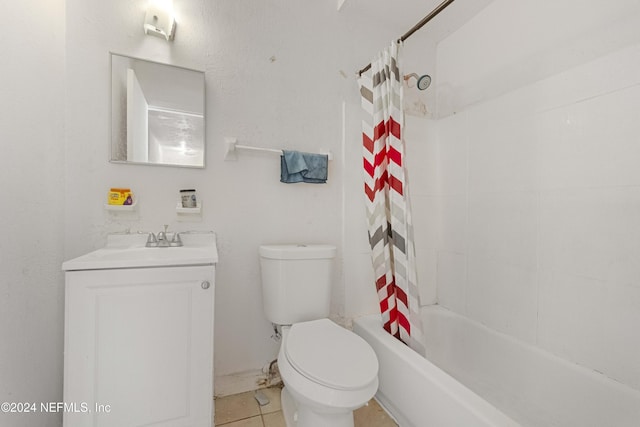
{"points": [[139, 347]]}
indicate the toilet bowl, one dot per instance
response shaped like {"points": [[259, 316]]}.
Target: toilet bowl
{"points": [[328, 372]]}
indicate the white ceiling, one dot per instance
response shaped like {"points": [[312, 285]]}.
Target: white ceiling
{"points": [[399, 16]]}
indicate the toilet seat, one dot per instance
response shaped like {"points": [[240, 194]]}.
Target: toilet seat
{"points": [[330, 355]]}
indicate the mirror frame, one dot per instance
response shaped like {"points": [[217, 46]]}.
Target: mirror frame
{"points": [[111, 114]]}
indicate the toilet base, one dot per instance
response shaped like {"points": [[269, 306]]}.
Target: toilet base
{"points": [[289, 409], [296, 415]]}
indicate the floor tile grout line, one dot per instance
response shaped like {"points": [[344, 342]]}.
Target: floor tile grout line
{"points": [[241, 419]]}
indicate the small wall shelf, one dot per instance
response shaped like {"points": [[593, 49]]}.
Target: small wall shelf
{"points": [[122, 208], [189, 214], [197, 210]]}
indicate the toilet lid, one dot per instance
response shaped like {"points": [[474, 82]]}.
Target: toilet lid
{"points": [[330, 355]]}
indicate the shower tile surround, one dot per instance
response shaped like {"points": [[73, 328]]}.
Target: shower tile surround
{"points": [[539, 200]]}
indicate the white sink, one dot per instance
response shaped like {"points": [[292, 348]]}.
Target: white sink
{"points": [[129, 251]]}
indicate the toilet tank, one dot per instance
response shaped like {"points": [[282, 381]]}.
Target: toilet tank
{"points": [[296, 282]]}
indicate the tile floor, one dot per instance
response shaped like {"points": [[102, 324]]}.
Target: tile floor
{"points": [[242, 410]]}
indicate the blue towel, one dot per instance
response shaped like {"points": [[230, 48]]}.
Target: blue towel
{"points": [[303, 167]]}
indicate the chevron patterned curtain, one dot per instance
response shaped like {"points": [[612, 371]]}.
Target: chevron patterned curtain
{"points": [[387, 198]]}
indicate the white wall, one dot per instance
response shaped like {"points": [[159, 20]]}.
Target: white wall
{"points": [[539, 185], [32, 222], [276, 76]]}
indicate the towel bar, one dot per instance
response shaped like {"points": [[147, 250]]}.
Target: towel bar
{"points": [[232, 146]]}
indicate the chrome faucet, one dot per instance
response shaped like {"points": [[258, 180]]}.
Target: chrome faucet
{"points": [[161, 240]]}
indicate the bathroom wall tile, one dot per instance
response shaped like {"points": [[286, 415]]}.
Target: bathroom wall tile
{"points": [[360, 289], [451, 250], [421, 141], [452, 220], [425, 227], [593, 143], [453, 154], [553, 237], [566, 41], [585, 81], [355, 235], [592, 233], [502, 296], [503, 226], [502, 154], [452, 276], [592, 322]]}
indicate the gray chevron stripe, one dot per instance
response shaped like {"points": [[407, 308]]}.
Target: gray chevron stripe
{"points": [[378, 235], [398, 241], [366, 93]]}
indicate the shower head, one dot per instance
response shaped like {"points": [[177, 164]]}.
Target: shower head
{"points": [[423, 82]]}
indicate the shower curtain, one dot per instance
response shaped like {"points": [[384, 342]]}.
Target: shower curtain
{"points": [[388, 209]]}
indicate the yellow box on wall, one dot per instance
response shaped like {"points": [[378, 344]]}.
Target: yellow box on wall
{"points": [[120, 196]]}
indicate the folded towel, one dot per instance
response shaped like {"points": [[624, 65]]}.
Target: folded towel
{"points": [[303, 167]]}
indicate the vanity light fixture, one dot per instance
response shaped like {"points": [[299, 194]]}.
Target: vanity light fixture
{"points": [[159, 20]]}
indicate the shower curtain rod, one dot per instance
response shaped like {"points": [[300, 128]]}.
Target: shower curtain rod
{"points": [[416, 27]]}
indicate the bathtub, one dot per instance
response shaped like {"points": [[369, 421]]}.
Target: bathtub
{"points": [[474, 376]]}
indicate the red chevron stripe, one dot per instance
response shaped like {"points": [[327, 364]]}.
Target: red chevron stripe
{"points": [[384, 305], [393, 319], [387, 327], [377, 161], [368, 167], [367, 142], [395, 156], [369, 192], [393, 127], [391, 289], [390, 127], [379, 157], [402, 296], [396, 184], [379, 185], [379, 130], [404, 323]]}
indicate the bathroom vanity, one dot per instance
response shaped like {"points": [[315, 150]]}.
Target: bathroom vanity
{"points": [[139, 334]]}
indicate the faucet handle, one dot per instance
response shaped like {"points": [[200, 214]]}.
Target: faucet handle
{"points": [[176, 240], [151, 240]]}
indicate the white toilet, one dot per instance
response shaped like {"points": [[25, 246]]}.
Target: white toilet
{"points": [[328, 371]]}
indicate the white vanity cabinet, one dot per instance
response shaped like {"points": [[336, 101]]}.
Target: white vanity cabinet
{"points": [[139, 344]]}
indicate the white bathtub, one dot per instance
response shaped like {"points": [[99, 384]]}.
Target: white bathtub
{"points": [[475, 376]]}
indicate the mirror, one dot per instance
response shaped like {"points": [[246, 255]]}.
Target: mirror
{"points": [[157, 113]]}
